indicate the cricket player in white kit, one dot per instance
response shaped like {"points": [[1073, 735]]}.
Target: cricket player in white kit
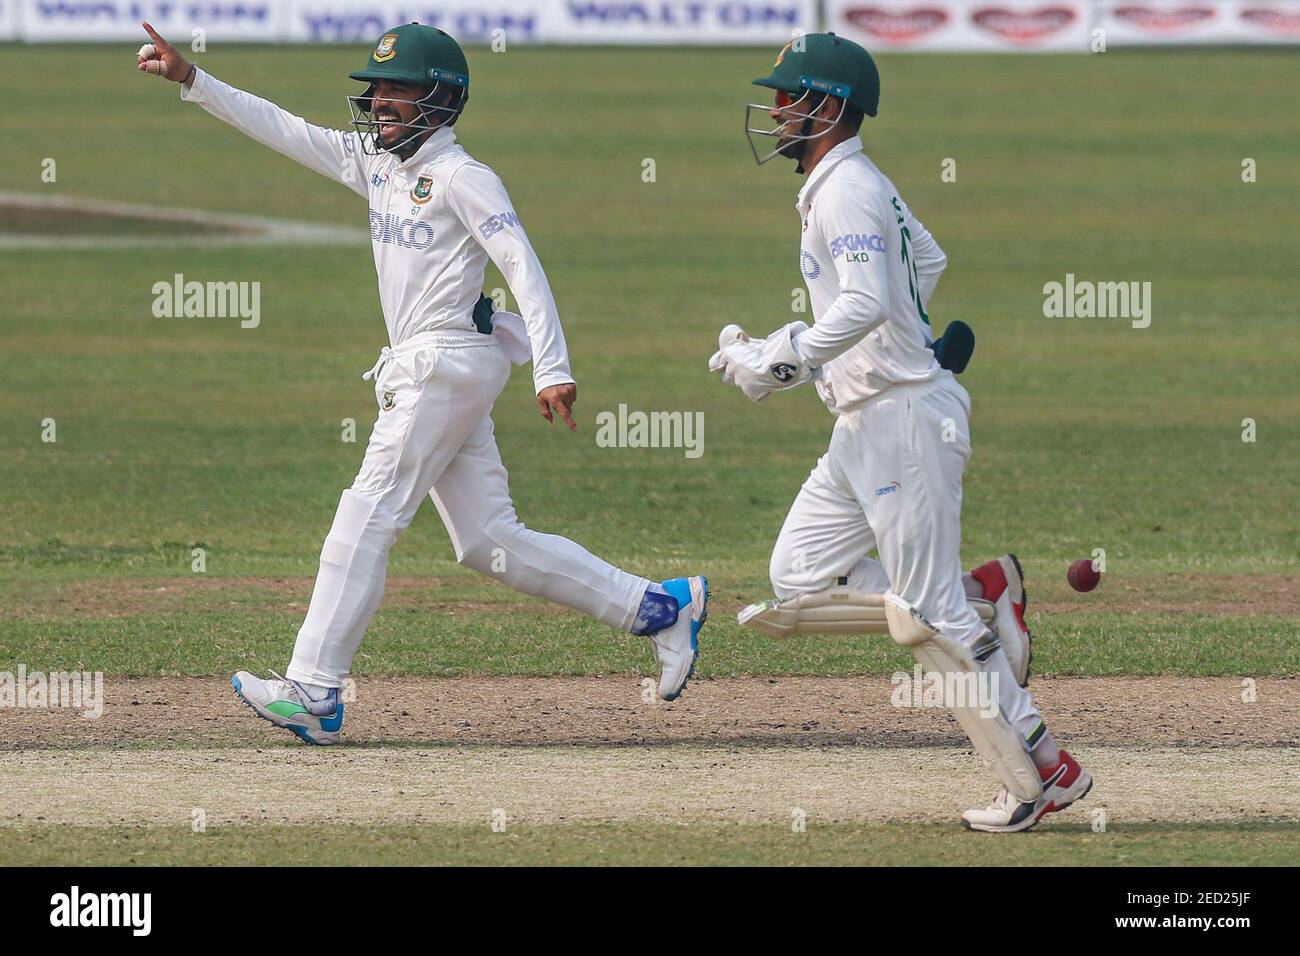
{"points": [[436, 217], [891, 481]]}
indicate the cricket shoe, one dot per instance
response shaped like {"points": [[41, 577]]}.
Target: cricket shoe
{"points": [[1004, 587], [678, 645], [1062, 785], [286, 703]]}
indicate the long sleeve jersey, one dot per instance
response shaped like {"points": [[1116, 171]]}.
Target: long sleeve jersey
{"points": [[435, 220], [870, 267]]}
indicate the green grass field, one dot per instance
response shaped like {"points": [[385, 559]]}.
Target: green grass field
{"points": [[663, 845], [174, 434]]}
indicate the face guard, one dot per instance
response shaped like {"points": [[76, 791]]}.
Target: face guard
{"points": [[429, 116], [791, 144]]}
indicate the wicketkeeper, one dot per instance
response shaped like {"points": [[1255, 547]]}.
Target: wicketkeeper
{"points": [[891, 481], [436, 217]]}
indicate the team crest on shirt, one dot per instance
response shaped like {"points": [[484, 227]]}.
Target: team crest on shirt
{"points": [[423, 190], [390, 401], [387, 48]]}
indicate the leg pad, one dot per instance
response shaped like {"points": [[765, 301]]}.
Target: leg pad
{"points": [[836, 610], [994, 738]]}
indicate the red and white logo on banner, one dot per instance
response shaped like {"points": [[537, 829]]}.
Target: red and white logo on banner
{"points": [[1283, 23], [897, 25], [1164, 19], [1024, 26]]}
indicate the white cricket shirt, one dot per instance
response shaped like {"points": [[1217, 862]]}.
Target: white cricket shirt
{"points": [[435, 219], [870, 267]]}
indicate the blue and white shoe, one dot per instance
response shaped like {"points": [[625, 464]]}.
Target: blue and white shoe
{"points": [[287, 704], [678, 646]]}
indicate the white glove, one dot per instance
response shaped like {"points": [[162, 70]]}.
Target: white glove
{"points": [[718, 361], [760, 366]]}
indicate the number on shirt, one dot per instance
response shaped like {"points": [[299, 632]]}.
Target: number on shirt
{"points": [[912, 283]]}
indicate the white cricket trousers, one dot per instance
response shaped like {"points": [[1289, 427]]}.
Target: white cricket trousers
{"points": [[891, 482], [433, 436]]}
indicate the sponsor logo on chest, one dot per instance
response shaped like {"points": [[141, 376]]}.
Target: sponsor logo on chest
{"points": [[855, 246], [394, 230]]}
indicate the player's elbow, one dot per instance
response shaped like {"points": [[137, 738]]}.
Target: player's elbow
{"points": [[864, 313]]}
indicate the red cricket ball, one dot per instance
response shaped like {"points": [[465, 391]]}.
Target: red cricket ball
{"points": [[1083, 576]]}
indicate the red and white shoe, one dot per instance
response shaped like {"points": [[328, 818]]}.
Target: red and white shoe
{"points": [[1003, 582], [1062, 785]]}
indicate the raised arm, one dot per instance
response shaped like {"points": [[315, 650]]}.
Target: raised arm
{"points": [[332, 153]]}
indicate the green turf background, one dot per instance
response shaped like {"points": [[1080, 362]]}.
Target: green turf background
{"points": [[1088, 433]]}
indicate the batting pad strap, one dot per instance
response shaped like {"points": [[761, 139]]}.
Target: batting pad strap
{"points": [[836, 610], [992, 735]]}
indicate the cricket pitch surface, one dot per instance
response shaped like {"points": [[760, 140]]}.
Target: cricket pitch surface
{"points": [[564, 751]]}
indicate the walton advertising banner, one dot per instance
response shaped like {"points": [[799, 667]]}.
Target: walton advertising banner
{"points": [[705, 22], [119, 20], [470, 21], [1014, 26], [711, 22]]}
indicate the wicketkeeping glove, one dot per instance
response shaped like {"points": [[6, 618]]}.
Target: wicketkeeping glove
{"points": [[760, 366]]}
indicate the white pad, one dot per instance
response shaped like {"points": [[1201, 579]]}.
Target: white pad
{"points": [[836, 610], [993, 736]]}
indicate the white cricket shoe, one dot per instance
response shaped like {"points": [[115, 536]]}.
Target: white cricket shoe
{"points": [[287, 704], [678, 646], [1062, 785]]}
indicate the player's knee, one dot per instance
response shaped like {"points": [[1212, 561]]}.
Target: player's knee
{"points": [[382, 510], [490, 547], [781, 572], [474, 552]]}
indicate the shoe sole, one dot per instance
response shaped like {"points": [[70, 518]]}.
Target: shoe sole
{"points": [[1052, 807], [297, 730], [695, 642]]}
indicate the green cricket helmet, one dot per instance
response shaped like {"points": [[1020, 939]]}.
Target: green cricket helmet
{"points": [[808, 69], [419, 55]]}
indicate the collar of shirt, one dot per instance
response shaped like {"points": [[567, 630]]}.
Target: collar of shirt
{"points": [[832, 159], [441, 139]]}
